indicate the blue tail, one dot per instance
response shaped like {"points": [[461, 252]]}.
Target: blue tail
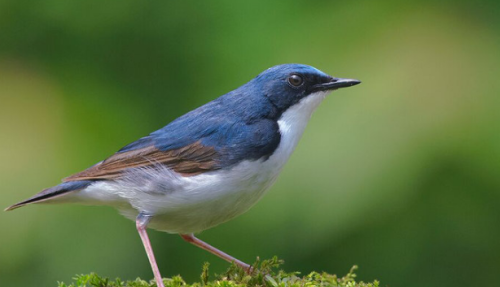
{"points": [[45, 194]]}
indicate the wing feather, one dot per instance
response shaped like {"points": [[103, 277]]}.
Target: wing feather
{"points": [[190, 160]]}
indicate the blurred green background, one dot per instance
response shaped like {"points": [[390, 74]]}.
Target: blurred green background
{"points": [[400, 175]]}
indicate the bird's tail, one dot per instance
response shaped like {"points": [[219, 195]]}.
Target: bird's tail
{"points": [[52, 192]]}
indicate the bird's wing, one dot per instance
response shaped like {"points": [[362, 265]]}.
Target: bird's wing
{"points": [[208, 138], [189, 160]]}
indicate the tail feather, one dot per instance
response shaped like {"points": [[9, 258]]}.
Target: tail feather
{"points": [[53, 192]]}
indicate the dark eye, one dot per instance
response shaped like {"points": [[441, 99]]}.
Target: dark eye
{"points": [[295, 80]]}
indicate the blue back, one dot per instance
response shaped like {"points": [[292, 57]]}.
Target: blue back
{"points": [[240, 125]]}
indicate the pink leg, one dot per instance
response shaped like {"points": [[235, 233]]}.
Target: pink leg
{"points": [[195, 241], [141, 223]]}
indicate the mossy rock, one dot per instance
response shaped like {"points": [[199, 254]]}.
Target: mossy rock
{"points": [[265, 274]]}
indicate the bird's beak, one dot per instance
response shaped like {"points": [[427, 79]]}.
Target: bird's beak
{"points": [[336, 83]]}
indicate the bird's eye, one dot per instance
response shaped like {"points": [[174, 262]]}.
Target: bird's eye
{"points": [[295, 80]]}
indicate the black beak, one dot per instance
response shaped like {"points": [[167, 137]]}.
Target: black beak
{"points": [[335, 83]]}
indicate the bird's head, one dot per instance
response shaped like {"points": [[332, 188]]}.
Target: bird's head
{"points": [[288, 84]]}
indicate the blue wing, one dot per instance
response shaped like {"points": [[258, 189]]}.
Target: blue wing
{"points": [[214, 136]]}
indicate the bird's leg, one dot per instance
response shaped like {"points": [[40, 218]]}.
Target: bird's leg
{"points": [[141, 223], [195, 241]]}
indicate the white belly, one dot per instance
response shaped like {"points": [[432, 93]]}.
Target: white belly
{"points": [[192, 204]]}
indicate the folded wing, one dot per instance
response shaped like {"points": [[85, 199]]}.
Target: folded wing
{"points": [[189, 160]]}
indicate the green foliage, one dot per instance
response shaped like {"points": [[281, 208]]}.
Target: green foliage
{"points": [[399, 174], [265, 274]]}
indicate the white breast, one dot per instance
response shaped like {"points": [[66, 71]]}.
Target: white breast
{"points": [[293, 123], [192, 204]]}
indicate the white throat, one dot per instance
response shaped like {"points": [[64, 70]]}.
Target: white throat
{"points": [[293, 122]]}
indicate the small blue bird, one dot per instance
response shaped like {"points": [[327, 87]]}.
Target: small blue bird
{"points": [[207, 166]]}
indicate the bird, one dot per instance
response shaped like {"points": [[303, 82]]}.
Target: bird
{"points": [[207, 166]]}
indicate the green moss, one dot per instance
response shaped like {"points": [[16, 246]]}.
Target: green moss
{"points": [[265, 275]]}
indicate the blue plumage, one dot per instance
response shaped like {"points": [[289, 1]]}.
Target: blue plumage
{"points": [[55, 191], [209, 165], [240, 125]]}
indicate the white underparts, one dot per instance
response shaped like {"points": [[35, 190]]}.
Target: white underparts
{"points": [[192, 204]]}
